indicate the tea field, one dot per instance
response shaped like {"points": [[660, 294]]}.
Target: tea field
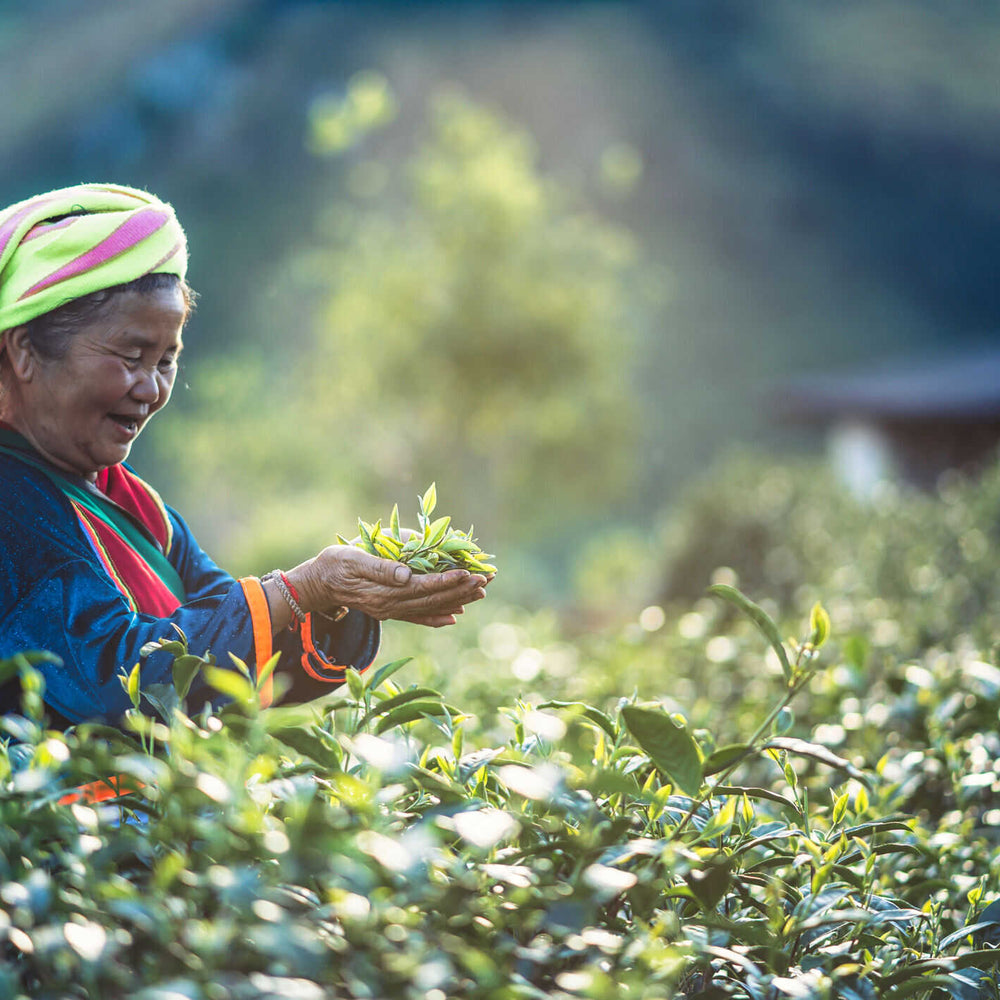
{"points": [[777, 779]]}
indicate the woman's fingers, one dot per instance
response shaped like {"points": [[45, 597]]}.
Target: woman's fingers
{"points": [[427, 594], [383, 588], [431, 621], [430, 600], [369, 567]]}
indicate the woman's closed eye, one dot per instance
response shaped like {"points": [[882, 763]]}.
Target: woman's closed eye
{"points": [[166, 364]]}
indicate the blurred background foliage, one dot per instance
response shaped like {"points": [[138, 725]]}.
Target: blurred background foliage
{"points": [[457, 330], [555, 256], [909, 580]]}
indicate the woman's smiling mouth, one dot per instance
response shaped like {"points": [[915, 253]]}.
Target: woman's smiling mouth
{"points": [[127, 423]]}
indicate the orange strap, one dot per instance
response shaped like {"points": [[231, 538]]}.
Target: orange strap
{"points": [[101, 790], [260, 616], [309, 652]]}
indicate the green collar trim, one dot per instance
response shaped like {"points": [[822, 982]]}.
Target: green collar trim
{"points": [[88, 496]]}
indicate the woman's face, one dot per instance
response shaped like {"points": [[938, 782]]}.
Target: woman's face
{"points": [[84, 410]]}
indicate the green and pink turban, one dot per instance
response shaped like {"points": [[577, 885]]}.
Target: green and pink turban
{"points": [[71, 242]]}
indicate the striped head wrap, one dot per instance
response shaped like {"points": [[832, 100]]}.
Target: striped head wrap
{"points": [[68, 243]]}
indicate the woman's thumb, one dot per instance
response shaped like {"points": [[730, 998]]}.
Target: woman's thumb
{"points": [[394, 574]]}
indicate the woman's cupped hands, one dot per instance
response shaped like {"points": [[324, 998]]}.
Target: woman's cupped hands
{"points": [[346, 576]]}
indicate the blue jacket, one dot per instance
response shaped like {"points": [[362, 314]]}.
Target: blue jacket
{"points": [[55, 595]]}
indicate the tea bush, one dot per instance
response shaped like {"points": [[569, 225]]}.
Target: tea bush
{"points": [[691, 805], [908, 568], [384, 843]]}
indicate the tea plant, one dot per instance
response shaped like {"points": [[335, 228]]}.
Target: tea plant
{"points": [[383, 842]]}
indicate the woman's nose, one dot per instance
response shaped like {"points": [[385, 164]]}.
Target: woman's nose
{"points": [[146, 388]]}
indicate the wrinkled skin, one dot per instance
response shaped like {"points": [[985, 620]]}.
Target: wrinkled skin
{"points": [[342, 575], [84, 410]]}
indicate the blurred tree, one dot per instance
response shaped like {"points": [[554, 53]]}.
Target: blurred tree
{"points": [[486, 315], [473, 327]]}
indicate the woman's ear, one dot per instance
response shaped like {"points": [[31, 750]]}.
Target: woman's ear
{"points": [[21, 359]]}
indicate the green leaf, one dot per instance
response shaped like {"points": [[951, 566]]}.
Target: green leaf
{"points": [[879, 826], [34, 656], [366, 537], [117, 740], [897, 847], [354, 683], [669, 746], [922, 984], [437, 784], [861, 801], [185, 670], [132, 686], [240, 665], [840, 807], [458, 543], [415, 710], [413, 694], [783, 721], [436, 531], [725, 756], [588, 712], [759, 793], [819, 625], [230, 683], [164, 698], [8, 669], [816, 751], [768, 840], [378, 677], [429, 500], [929, 965], [720, 821], [266, 670], [760, 618], [709, 884], [963, 932], [606, 781], [394, 523], [172, 646], [308, 744]]}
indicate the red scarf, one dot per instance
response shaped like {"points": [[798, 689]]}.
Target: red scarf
{"points": [[126, 523], [135, 578]]}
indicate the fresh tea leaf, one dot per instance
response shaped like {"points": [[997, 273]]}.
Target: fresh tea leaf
{"points": [[669, 746], [132, 686], [230, 683], [414, 710], [378, 677], [185, 670], [429, 500], [819, 625], [760, 618]]}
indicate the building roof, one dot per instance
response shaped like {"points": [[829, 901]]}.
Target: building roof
{"points": [[959, 387]]}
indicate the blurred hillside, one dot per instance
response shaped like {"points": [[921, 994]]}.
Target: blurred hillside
{"points": [[808, 185]]}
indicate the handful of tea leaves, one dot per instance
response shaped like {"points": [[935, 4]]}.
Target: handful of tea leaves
{"points": [[434, 548]]}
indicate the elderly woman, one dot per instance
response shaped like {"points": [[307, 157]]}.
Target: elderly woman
{"points": [[93, 564]]}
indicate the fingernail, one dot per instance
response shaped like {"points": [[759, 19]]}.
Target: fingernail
{"points": [[401, 574]]}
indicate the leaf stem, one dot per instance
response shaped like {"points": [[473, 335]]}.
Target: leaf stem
{"points": [[799, 680]]}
